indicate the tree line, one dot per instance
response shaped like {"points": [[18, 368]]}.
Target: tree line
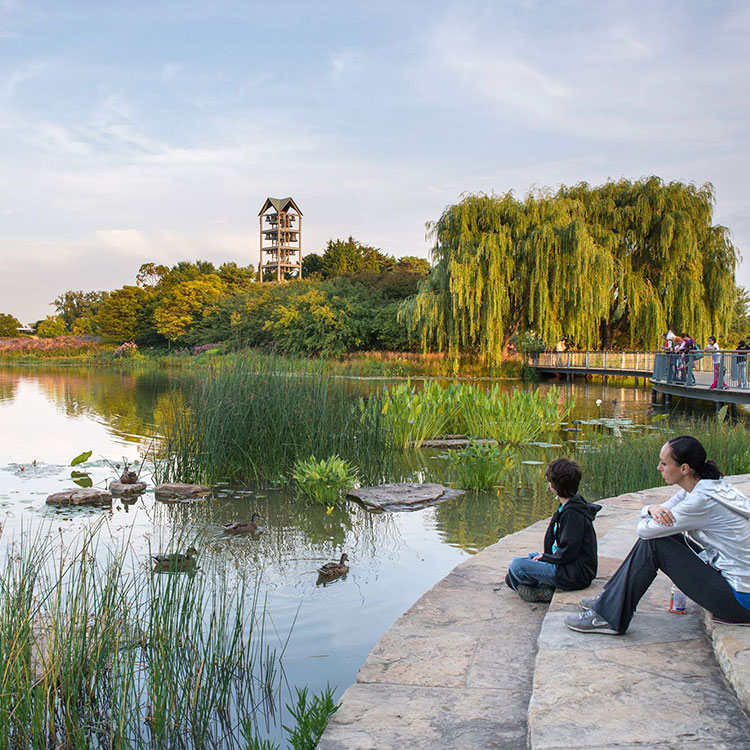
{"points": [[608, 266], [348, 299]]}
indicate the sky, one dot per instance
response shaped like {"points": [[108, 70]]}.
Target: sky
{"points": [[154, 131]]}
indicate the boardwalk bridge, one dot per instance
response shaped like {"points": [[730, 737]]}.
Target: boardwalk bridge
{"points": [[720, 377]]}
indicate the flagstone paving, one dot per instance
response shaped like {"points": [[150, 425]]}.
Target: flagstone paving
{"points": [[470, 665]]}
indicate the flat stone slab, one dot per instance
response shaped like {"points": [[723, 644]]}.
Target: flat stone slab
{"points": [[173, 490], [120, 488], [80, 496], [403, 495], [452, 442]]}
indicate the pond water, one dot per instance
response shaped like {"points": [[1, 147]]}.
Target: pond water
{"points": [[49, 416]]}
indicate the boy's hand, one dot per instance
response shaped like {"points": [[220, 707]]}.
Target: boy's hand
{"points": [[538, 557], [661, 515]]}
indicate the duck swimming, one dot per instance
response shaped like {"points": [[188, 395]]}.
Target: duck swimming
{"points": [[175, 561], [242, 527], [333, 570]]}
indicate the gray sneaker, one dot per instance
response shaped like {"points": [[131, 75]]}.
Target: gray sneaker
{"points": [[588, 602], [589, 622], [534, 594]]}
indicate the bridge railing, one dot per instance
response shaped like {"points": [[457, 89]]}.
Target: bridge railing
{"points": [[720, 369], [633, 361]]}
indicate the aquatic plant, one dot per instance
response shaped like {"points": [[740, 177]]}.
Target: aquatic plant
{"points": [[413, 415], [324, 481], [479, 466], [513, 417], [95, 655], [247, 421], [626, 463]]}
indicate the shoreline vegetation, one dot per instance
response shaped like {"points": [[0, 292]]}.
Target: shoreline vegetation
{"points": [[67, 351], [99, 651]]}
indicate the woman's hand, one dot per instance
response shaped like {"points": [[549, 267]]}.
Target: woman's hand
{"points": [[661, 515]]}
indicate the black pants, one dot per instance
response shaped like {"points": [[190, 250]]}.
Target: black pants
{"points": [[672, 554]]}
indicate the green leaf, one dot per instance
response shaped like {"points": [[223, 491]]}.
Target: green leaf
{"points": [[722, 415], [83, 457], [658, 418], [81, 478]]}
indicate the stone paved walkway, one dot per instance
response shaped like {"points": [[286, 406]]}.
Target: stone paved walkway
{"points": [[469, 666]]}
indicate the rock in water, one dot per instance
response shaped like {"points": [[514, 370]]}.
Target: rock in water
{"points": [[404, 495], [183, 491], [127, 488], [81, 496]]}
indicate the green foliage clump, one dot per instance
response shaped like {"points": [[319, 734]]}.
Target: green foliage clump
{"points": [[479, 466], [9, 325], [413, 415], [323, 481], [513, 417], [310, 718], [51, 327]]}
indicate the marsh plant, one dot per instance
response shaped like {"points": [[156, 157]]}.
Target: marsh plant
{"points": [[98, 655], [324, 481], [250, 422], [411, 415], [615, 464], [514, 417], [480, 465]]}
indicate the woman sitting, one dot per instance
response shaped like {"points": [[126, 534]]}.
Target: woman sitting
{"points": [[709, 562]]}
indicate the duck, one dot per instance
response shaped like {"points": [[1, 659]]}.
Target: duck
{"points": [[242, 527], [334, 570], [174, 561]]}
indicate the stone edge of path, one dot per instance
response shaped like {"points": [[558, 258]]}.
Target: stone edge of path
{"points": [[439, 677], [731, 643]]}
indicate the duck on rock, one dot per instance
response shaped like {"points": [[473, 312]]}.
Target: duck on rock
{"points": [[334, 570]]}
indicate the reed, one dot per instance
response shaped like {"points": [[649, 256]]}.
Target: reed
{"points": [[613, 465], [96, 655], [246, 421]]}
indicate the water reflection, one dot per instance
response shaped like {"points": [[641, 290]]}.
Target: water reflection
{"points": [[54, 414]]}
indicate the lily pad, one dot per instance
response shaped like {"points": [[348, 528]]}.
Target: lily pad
{"points": [[81, 458]]}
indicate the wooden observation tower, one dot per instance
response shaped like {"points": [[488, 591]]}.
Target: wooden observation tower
{"points": [[280, 239]]}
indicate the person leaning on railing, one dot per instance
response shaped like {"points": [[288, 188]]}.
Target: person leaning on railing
{"points": [[741, 360], [713, 347]]}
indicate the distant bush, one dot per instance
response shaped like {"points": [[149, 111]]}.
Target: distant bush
{"points": [[59, 346]]}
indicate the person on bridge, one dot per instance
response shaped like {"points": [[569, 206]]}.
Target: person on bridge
{"points": [[713, 347], [700, 538], [569, 560]]}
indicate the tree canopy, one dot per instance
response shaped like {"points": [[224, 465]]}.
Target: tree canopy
{"points": [[9, 325], [614, 263]]}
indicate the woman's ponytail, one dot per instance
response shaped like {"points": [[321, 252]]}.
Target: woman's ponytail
{"points": [[709, 470], [688, 450]]}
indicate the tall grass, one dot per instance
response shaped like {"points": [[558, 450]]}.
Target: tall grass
{"points": [[247, 421], [614, 465], [95, 655]]}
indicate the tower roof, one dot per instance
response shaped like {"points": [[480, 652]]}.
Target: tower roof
{"points": [[280, 204]]}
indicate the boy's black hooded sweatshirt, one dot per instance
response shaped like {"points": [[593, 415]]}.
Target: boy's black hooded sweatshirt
{"points": [[576, 554]]}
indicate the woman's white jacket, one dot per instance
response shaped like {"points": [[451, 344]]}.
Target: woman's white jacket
{"points": [[717, 516]]}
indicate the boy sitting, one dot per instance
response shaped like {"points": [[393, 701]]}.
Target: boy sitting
{"points": [[569, 560]]}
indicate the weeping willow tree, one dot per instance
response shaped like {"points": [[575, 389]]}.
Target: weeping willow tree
{"points": [[611, 263]]}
